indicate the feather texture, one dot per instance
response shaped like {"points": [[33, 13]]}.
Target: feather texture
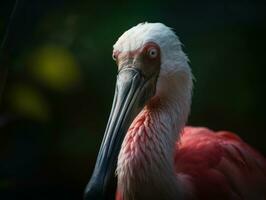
{"points": [[220, 165], [209, 165]]}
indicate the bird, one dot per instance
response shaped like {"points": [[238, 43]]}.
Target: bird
{"points": [[148, 151]]}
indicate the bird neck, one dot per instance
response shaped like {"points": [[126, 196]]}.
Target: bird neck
{"points": [[145, 166]]}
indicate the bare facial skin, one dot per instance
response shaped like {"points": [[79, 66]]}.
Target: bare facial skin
{"points": [[146, 59]]}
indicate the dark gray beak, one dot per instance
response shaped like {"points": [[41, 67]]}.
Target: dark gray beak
{"points": [[132, 92]]}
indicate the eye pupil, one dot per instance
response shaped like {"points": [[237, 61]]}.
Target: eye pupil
{"points": [[152, 53]]}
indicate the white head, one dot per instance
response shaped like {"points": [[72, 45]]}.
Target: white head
{"points": [[175, 79], [172, 56]]}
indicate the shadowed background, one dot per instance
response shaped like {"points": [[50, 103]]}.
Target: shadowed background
{"points": [[60, 84]]}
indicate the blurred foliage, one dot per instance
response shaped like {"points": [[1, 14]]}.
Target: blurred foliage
{"points": [[28, 102], [55, 67], [61, 82]]}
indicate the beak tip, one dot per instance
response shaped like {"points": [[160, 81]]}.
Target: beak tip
{"points": [[92, 193]]}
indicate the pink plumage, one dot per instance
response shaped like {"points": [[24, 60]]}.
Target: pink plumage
{"points": [[219, 165]]}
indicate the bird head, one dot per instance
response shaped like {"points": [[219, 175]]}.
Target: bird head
{"points": [[151, 65], [154, 47]]}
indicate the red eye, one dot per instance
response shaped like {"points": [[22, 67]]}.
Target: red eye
{"points": [[153, 52]]}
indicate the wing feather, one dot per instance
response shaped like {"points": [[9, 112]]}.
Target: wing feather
{"points": [[220, 165]]}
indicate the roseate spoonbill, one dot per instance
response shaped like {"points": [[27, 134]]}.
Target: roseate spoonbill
{"points": [[146, 143]]}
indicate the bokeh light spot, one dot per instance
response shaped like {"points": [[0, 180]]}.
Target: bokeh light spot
{"points": [[29, 102], [55, 67]]}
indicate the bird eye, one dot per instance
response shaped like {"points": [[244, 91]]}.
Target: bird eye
{"points": [[152, 52], [114, 56]]}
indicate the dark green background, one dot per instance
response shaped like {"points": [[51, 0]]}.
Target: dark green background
{"points": [[61, 80]]}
